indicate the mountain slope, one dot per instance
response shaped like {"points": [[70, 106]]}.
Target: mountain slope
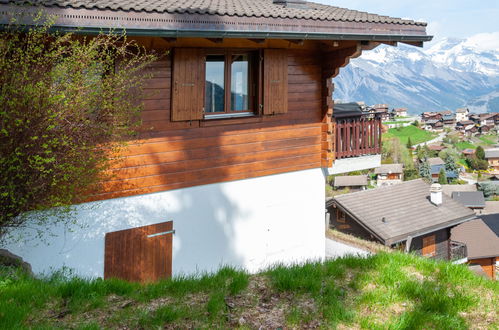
{"points": [[451, 74]]}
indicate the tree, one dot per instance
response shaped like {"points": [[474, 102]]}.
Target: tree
{"points": [[409, 143], [424, 170], [480, 153], [451, 164], [67, 105], [442, 176]]}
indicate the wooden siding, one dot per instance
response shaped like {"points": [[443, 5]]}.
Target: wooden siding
{"points": [[170, 154], [487, 264]]}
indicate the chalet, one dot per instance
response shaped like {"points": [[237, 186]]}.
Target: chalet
{"points": [[382, 111], [487, 119], [352, 182], [400, 112], [471, 199], [462, 114], [408, 215], [468, 152], [436, 147], [389, 174], [436, 164], [238, 131], [449, 120], [492, 156], [481, 237], [433, 124]]}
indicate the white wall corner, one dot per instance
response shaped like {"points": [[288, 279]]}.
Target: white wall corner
{"points": [[346, 165]]}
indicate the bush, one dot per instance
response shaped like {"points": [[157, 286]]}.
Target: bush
{"points": [[66, 104]]}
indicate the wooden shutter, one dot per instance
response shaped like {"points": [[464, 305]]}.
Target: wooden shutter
{"points": [[188, 84], [275, 81], [429, 246]]}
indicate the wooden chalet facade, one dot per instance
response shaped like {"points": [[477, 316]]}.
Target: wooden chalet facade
{"points": [[237, 116]]}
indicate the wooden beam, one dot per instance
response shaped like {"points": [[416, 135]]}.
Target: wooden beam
{"points": [[258, 41], [296, 41], [413, 43], [216, 40], [168, 39], [389, 43]]}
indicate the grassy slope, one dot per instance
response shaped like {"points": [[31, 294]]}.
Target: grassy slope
{"points": [[417, 135], [388, 290]]}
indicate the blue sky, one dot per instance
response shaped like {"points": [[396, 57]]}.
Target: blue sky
{"points": [[445, 18]]}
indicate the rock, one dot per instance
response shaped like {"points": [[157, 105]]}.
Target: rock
{"points": [[9, 259], [242, 321]]}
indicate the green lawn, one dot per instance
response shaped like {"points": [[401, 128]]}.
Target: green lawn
{"points": [[395, 122], [417, 135], [384, 291], [488, 140], [465, 145]]}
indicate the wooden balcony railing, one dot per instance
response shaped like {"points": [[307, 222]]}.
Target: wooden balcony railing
{"points": [[357, 136], [458, 250]]}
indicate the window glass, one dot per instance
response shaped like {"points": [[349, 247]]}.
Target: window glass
{"points": [[214, 87], [239, 83]]}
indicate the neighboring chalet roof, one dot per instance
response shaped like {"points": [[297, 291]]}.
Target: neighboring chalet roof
{"points": [[448, 189], [465, 122], [469, 151], [462, 110], [435, 169], [389, 168], [480, 236], [492, 153], [469, 198], [491, 207], [435, 161], [228, 18], [406, 209], [342, 110], [436, 147], [449, 117], [432, 121], [350, 181], [484, 116]]}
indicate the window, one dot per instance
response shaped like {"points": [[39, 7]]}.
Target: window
{"points": [[340, 216], [228, 83], [429, 246], [214, 83]]}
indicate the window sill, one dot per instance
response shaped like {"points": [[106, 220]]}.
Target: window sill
{"points": [[229, 115], [230, 119]]}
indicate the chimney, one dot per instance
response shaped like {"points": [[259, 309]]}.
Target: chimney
{"points": [[298, 4], [436, 194]]}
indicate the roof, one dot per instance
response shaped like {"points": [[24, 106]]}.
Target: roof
{"points": [[448, 189], [479, 235], [240, 8], [469, 198], [449, 117], [435, 161], [243, 16], [491, 207], [350, 181], [492, 153], [465, 122], [469, 151], [431, 121], [462, 110], [406, 208], [389, 168]]}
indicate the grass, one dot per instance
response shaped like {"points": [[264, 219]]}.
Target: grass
{"points": [[384, 291], [465, 145], [396, 122], [417, 135]]}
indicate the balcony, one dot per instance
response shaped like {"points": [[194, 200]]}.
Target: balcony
{"points": [[357, 141], [458, 252]]}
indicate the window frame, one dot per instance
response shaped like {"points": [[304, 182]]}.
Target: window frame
{"points": [[341, 216], [254, 80], [429, 249]]}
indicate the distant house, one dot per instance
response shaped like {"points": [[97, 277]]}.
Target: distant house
{"points": [[436, 164], [389, 174], [449, 120], [469, 152], [407, 215], [435, 147], [487, 119], [400, 112], [382, 111], [481, 237], [433, 124], [471, 199], [462, 114], [448, 189], [492, 156], [461, 124], [352, 182]]}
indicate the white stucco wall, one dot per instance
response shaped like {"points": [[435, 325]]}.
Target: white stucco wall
{"points": [[249, 223]]}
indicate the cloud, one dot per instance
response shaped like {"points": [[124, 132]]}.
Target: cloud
{"points": [[484, 41]]}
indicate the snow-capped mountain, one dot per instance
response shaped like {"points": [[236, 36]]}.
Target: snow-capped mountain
{"points": [[452, 73]]}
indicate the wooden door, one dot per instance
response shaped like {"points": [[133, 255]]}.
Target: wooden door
{"points": [[142, 254]]}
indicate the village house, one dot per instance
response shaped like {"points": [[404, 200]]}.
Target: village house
{"points": [[409, 216], [462, 114], [449, 120], [399, 112], [492, 156], [238, 131], [481, 237], [352, 182], [471, 199], [436, 164], [487, 119], [382, 111], [389, 174]]}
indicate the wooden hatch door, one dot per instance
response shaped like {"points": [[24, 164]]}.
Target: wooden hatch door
{"points": [[142, 254]]}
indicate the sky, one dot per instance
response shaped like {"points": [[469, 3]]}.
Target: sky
{"points": [[445, 18]]}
